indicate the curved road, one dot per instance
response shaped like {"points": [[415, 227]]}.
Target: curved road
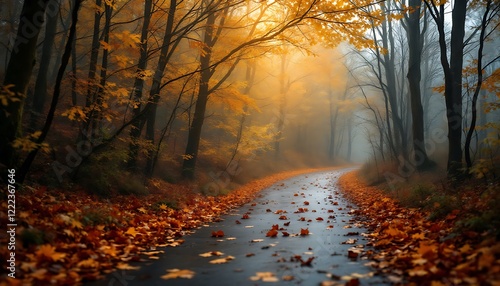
{"points": [[311, 201]]}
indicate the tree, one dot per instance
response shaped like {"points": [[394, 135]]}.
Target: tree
{"points": [[55, 97], [415, 46], [490, 12], [40, 92], [17, 77], [452, 69]]}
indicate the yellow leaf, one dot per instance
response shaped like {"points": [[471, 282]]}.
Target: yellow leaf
{"points": [[76, 224], [88, 263], [178, 273], [464, 249], [126, 266], [69, 233], [49, 251]]}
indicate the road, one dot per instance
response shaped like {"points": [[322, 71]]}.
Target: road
{"points": [[310, 201]]}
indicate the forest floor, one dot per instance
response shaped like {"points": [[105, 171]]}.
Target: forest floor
{"points": [[68, 237]]}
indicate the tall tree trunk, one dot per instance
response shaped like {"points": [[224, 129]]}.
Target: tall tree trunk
{"points": [[96, 113], [349, 139], [282, 106], [454, 93], [390, 74], [472, 126], [18, 74], [194, 135], [154, 93], [453, 79], [40, 93], [333, 122], [138, 87], [415, 45], [94, 54]]}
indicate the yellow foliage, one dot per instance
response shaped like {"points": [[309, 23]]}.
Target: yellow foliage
{"points": [[77, 113], [7, 95], [28, 144]]}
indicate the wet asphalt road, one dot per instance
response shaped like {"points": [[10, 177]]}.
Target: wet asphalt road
{"points": [[328, 241]]}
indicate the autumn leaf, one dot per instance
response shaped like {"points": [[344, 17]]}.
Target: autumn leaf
{"points": [[419, 235], [132, 231], [49, 251], [272, 233], [218, 233], [126, 266], [426, 249], [222, 260], [264, 277], [88, 263], [304, 231], [178, 273]]}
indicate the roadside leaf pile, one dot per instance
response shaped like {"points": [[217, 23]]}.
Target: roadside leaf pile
{"points": [[412, 249]]}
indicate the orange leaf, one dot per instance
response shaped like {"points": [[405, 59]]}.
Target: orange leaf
{"points": [[132, 231], [272, 233], [304, 231], [49, 251]]}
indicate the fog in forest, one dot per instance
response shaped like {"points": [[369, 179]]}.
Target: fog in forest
{"points": [[189, 89]]}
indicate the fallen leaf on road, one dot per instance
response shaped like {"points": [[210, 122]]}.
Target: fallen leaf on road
{"points": [[222, 260], [218, 233], [264, 277], [178, 273]]}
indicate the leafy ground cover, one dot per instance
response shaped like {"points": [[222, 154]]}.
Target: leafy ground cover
{"points": [[68, 237], [452, 242]]}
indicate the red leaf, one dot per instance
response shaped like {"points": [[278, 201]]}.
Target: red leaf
{"points": [[218, 233], [304, 231]]}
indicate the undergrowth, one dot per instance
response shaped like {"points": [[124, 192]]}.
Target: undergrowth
{"points": [[474, 202]]}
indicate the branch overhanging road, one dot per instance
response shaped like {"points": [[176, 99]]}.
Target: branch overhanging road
{"points": [[310, 201]]}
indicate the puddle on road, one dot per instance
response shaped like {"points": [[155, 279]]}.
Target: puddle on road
{"points": [[329, 249]]}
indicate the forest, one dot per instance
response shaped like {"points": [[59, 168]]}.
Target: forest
{"points": [[154, 106]]}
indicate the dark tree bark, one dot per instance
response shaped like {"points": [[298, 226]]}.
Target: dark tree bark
{"points": [[415, 46], [96, 113], [40, 93], [388, 61], [94, 55], [194, 135], [18, 74], [472, 126], [453, 79], [137, 91]]}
